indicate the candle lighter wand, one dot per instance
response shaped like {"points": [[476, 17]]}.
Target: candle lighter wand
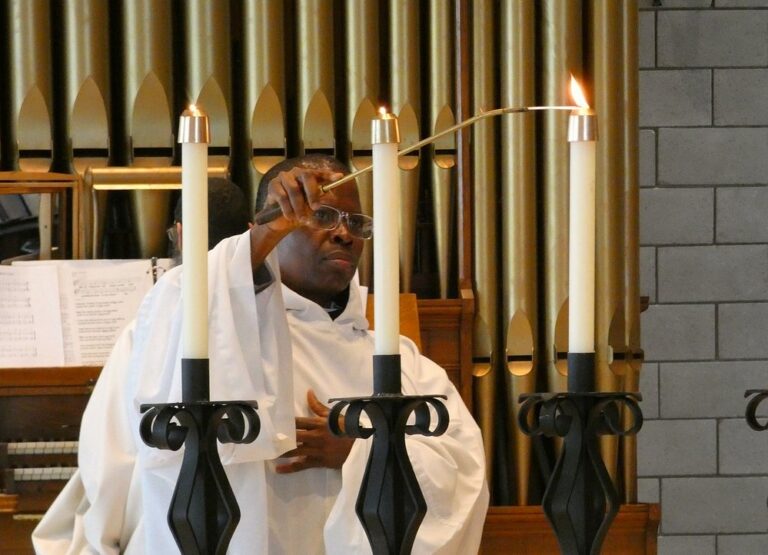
{"points": [[272, 211]]}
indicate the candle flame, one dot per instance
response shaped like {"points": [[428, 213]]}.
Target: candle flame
{"points": [[577, 94], [192, 108], [382, 110]]}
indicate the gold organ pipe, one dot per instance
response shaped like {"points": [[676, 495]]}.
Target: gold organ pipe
{"points": [[363, 89], [208, 59], [264, 67], [519, 226], [148, 80], [406, 102], [443, 151], [64, 45], [560, 26], [314, 46], [147, 108], [81, 110], [29, 88], [631, 234], [86, 27], [486, 348], [609, 271]]}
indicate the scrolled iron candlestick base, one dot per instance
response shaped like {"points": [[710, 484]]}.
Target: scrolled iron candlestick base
{"points": [[204, 513], [580, 500], [390, 504], [751, 413]]}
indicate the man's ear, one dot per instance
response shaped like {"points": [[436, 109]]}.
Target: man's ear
{"points": [[178, 235]]}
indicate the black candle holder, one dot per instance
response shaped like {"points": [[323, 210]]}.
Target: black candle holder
{"points": [[751, 413], [390, 504], [580, 500], [204, 513]]}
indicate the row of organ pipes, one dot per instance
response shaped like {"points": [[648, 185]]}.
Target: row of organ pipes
{"points": [[91, 84]]}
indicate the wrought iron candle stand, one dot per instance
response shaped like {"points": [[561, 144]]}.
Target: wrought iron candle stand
{"points": [[204, 513], [751, 413], [390, 504], [580, 500]]}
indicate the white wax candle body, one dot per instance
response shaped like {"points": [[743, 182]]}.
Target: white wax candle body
{"points": [[194, 277], [581, 257], [386, 259]]}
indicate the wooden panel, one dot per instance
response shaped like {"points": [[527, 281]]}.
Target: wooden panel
{"points": [[35, 496], [446, 335], [526, 531], [15, 534], [60, 394], [76, 376], [65, 186]]}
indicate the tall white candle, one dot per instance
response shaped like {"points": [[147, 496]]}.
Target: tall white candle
{"points": [[194, 136], [386, 230], [582, 135]]}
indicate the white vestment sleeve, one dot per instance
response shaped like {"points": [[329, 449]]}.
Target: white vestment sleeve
{"points": [[123, 488], [88, 515], [450, 470]]}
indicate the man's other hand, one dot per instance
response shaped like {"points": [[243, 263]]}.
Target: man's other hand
{"points": [[316, 447]]}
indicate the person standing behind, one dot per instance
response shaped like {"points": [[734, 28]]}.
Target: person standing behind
{"points": [[228, 215]]}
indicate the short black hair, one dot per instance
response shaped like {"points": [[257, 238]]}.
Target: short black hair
{"points": [[312, 161], [228, 212]]}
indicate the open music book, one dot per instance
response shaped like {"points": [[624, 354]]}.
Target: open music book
{"points": [[69, 312]]}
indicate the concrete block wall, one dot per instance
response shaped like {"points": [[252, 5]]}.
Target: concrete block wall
{"points": [[704, 266]]}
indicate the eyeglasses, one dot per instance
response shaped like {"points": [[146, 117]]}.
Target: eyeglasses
{"points": [[328, 218]]}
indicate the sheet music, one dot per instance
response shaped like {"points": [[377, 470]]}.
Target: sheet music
{"points": [[30, 320], [98, 298], [96, 304]]}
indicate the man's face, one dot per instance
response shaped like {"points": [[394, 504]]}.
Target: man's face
{"points": [[319, 264]]}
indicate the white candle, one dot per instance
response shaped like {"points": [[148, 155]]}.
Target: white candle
{"points": [[194, 136], [582, 134], [386, 230]]}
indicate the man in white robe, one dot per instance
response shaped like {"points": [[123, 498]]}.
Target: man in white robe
{"points": [[301, 337]]}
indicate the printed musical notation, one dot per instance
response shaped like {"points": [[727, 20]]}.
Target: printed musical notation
{"points": [[30, 322], [85, 304], [101, 304]]}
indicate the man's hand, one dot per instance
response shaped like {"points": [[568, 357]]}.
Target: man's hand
{"points": [[317, 446], [297, 192]]}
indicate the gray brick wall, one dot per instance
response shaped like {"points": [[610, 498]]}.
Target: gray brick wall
{"points": [[704, 266]]}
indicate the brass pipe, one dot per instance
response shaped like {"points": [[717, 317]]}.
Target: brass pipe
{"points": [[630, 164], [264, 96], [405, 95], [80, 106], [147, 112], [486, 347], [363, 88], [443, 155], [518, 182], [208, 58], [315, 92], [86, 25], [609, 300], [560, 25], [27, 123]]}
